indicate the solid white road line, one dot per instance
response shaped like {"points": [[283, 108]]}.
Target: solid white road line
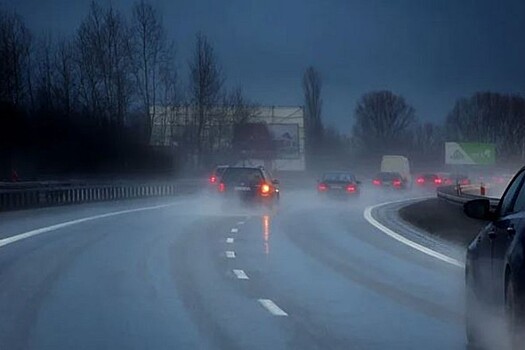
{"points": [[230, 254], [400, 238], [28, 234], [235, 230], [240, 274], [272, 307], [229, 240]]}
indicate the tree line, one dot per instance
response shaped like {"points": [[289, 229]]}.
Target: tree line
{"points": [[385, 123], [85, 103]]}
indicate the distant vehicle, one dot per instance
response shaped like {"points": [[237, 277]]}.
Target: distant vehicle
{"points": [[433, 180], [495, 265], [389, 180], [338, 185], [215, 177], [397, 164], [448, 179], [250, 184], [427, 180]]}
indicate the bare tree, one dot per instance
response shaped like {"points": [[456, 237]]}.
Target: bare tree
{"points": [[153, 60], [15, 44], [382, 121], [490, 117], [104, 46], [205, 84], [312, 85]]}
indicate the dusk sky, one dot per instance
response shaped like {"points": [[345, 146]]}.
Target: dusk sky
{"points": [[431, 52]]}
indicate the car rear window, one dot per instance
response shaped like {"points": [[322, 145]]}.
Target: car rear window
{"points": [[234, 175], [341, 177], [388, 176]]}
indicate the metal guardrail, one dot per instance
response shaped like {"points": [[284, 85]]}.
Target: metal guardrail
{"points": [[457, 195], [43, 196]]}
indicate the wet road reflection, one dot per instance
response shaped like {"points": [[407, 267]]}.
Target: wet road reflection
{"points": [[266, 233]]}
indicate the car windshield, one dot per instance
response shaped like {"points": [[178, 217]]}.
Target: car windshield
{"points": [[338, 177]]}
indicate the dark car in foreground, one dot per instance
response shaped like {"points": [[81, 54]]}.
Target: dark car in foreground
{"points": [[249, 184], [495, 266], [338, 185], [389, 180]]}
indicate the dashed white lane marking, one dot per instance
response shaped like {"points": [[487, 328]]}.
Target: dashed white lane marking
{"points": [[240, 274], [32, 233], [272, 307], [368, 217], [240, 223], [229, 240], [230, 254], [235, 230]]}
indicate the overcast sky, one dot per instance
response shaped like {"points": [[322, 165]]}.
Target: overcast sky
{"points": [[430, 51]]}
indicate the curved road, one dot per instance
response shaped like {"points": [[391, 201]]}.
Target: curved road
{"points": [[191, 273]]}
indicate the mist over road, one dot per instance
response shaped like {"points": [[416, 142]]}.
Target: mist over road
{"points": [[192, 273]]}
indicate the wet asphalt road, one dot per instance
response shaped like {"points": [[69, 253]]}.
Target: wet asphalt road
{"points": [[198, 274]]}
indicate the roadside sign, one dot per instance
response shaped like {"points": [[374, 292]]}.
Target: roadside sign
{"points": [[470, 153]]}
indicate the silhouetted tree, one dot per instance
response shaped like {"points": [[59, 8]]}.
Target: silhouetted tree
{"points": [[206, 82], [382, 122], [312, 86], [490, 117]]}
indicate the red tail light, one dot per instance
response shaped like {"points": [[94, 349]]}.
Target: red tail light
{"points": [[222, 187], [213, 179], [322, 187], [265, 189], [376, 182], [396, 182], [420, 180], [438, 181], [350, 188]]}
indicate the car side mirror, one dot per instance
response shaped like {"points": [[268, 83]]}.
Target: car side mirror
{"points": [[478, 209], [275, 181]]}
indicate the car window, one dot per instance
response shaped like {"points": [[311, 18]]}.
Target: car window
{"points": [[342, 177], [242, 175], [519, 204], [507, 202]]}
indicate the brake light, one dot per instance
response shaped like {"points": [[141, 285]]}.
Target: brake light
{"points": [[213, 179], [222, 187], [376, 182], [350, 188], [322, 187], [420, 180], [396, 182], [265, 189], [438, 181]]}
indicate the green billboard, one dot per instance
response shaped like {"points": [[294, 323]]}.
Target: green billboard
{"points": [[470, 153]]}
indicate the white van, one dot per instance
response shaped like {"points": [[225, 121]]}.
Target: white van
{"points": [[397, 164]]}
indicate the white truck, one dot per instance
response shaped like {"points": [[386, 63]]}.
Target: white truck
{"points": [[397, 164]]}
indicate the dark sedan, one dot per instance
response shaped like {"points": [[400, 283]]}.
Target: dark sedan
{"points": [[249, 184], [338, 185], [389, 180], [495, 266]]}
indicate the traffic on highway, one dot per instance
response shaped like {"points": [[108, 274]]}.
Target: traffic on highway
{"points": [[243, 174]]}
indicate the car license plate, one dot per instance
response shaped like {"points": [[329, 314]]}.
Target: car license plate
{"points": [[242, 188], [337, 187]]}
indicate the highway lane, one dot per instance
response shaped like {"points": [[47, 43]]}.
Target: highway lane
{"points": [[198, 274]]}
